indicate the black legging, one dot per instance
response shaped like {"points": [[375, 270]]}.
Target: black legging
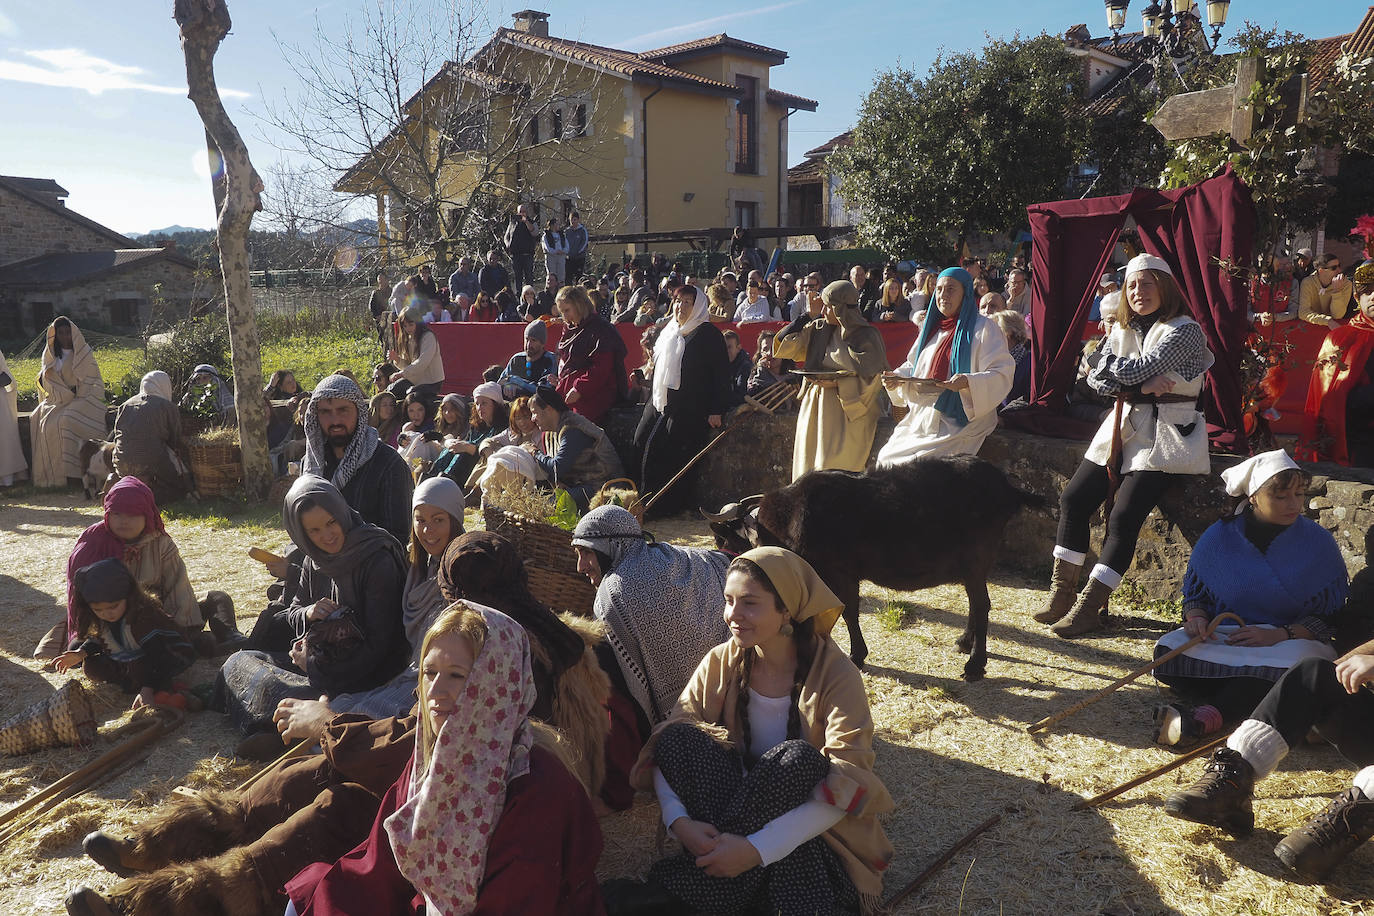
{"points": [[1139, 493], [1307, 696]]}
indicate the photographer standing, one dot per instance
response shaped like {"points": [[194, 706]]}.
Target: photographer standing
{"points": [[521, 238]]}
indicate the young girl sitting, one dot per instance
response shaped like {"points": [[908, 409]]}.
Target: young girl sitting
{"points": [[487, 818], [132, 531], [764, 772], [122, 635], [384, 415]]}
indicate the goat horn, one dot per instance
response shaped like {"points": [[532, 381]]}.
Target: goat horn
{"points": [[750, 502], [728, 513]]}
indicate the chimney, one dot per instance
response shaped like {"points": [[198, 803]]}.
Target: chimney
{"points": [[532, 22], [168, 245]]}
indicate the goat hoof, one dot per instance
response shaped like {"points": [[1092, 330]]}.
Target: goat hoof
{"points": [[974, 674], [858, 662]]}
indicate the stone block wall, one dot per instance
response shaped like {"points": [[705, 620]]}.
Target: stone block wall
{"points": [[28, 230], [88, 303]]}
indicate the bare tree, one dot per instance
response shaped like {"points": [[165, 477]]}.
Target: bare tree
{"points": [[423, 108], [203, 25]]}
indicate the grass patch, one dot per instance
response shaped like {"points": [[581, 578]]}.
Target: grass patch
{"points": [[893, 614], [1132, 598], [257, 519]]}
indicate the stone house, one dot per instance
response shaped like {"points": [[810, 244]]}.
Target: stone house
{"points": [[54, 261], [678, 138]]}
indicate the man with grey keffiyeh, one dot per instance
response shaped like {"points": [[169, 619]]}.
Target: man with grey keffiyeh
{"points": [[343, 448]]}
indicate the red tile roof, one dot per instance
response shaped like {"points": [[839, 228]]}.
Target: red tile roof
{"points": [[831, 145], [625, 63], [711, 43], [788, 100]]}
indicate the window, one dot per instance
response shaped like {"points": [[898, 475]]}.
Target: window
{"points": [[557, 118], [746, 214], [580, 121], [533, 130], [123, 312], [746, 126]]}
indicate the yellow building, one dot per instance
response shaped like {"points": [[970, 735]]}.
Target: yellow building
{"points": [[684, 137]]}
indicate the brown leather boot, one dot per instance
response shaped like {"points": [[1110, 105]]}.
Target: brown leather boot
{"points": [[1087, 612], [1063, 589], [1221, 797]]}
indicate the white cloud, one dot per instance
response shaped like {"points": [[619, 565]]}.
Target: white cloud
{"points": [[72, 68], [702, 24]]}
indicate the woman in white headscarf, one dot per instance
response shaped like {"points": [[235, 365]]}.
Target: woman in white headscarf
{"points": [[13, 467], [690, 395], [147, 439], [72, 409], [1274, 568]]}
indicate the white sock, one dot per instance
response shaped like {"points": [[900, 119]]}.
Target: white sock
{"points": [[1364, 781], [1107, 576], [1260, 744], [1076, 557]]}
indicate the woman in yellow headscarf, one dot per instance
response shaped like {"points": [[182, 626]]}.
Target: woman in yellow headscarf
{"points": [[764, 771]]}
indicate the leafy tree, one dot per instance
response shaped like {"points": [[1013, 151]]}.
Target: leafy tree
{"points": [[1283, 165], [966, 148]]}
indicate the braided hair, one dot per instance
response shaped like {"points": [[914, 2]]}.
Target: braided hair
{"points": [[803, 636]]}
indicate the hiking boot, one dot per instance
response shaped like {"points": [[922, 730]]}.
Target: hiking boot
{"points": [[1222, 797], [263, 747], [218, 611], [1087, 613], [1319, 845], [1179, 725], [1063, 589]]}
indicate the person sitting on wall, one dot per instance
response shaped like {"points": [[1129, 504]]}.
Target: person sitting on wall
{"points": [[531, 365], [1338, 417], [741, 366]]}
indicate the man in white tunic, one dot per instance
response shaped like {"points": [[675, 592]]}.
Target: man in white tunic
{"points": [[957, 373]]}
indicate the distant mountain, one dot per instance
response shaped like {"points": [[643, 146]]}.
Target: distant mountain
{"points": [[169, 230]]}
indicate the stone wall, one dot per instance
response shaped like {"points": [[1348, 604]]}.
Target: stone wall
{"points": [[28, 230], [757, 458], [89, 303]]}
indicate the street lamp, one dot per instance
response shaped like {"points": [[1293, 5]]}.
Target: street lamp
{"points": [[1171, 26]]}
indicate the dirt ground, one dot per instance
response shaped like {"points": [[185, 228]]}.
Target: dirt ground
{"points": [[951, 753]]}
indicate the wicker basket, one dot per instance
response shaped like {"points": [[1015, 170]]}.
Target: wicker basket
{"points": [[62, 718], [549, 560], [217, 467], [277, 495]]}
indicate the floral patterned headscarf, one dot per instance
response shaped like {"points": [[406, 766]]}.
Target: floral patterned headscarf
{"points": [[441, 833]]}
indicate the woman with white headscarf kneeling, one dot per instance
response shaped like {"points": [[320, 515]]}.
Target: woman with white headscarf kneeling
{"points": [[690, 395], [147, 439]]}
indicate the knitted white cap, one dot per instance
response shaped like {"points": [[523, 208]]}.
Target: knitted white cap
{"points": [[1246, 478], [1147, 262], [489, 390]]}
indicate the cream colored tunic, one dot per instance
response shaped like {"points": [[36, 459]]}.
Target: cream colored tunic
{"points": [[12, 464], [836, 425], [72, 410]]}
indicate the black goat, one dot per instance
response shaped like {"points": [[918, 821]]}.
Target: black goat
{"points": [[929, 522]]}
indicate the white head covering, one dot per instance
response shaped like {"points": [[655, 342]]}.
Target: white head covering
{"points": [[156, 384], [1246, 478], [442, 493], [1147, 262], [489, 390], [672, 342]]}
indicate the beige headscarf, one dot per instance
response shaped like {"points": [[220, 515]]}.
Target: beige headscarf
{"points": [[801, 589]]}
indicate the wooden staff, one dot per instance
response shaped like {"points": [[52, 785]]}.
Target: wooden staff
{"points": [[1085, 703], [769, 400], [296, 750], [941, 862], [1146, 777], [93, 773]]}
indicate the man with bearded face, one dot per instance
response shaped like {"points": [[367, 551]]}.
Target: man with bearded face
{"points": [[341, 447]]}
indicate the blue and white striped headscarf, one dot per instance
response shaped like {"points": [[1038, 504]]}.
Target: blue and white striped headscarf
{"points": [[961, 353]]}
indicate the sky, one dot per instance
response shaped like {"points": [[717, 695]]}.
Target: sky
{"points": [[93, 93]]}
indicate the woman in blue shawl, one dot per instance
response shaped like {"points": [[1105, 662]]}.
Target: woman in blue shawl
{"points": [[1278, 571], [953, 380]]}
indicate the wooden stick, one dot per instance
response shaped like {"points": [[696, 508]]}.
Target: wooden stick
{"points": [[1120, 682], [1146, 777], [941, 862], [91, 774], [296, 750]]}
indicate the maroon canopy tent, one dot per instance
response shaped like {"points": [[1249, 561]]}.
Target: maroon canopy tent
{"points": [[1197, 230]]}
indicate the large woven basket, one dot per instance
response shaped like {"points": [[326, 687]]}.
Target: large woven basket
{"points": [[63, 718], [549, 560], [217, 467]]}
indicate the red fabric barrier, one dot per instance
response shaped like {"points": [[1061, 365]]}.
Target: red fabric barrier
{"points": [[469, 347], [1306, 340]]}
